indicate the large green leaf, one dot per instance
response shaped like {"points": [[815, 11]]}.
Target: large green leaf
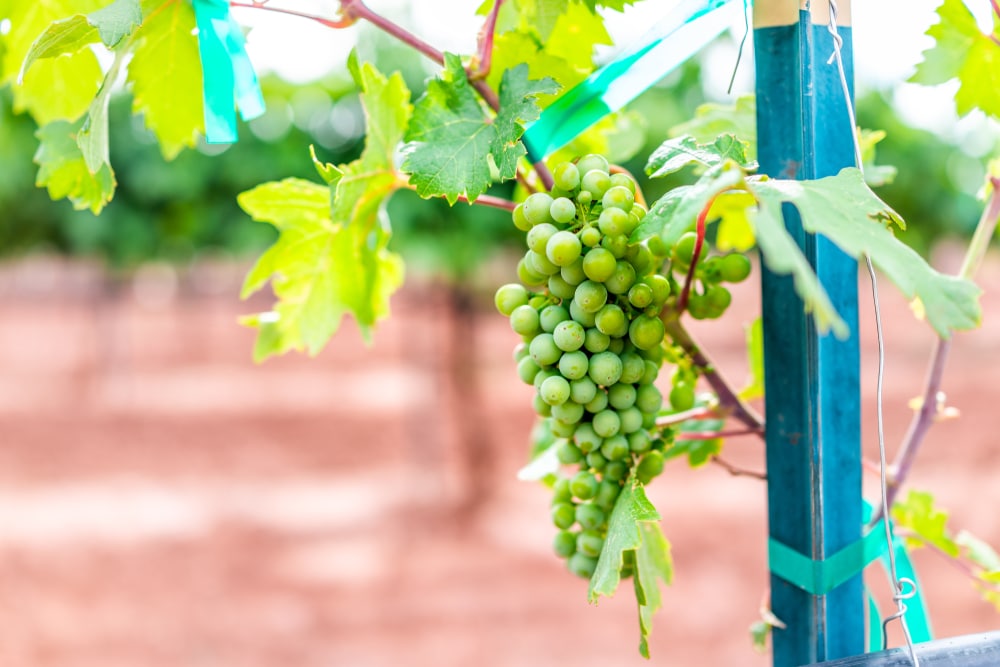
{"points": [[63, 170], [452, 142], [845, 210], [331, 256], [109, 25], [675, 154], [165, 74], [634, 527], [56, 88], [962, 51], [713, 119], [542, 14]]}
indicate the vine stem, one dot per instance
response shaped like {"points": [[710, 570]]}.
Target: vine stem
{"points": [[700, 412], [699, 243], [482, 200], [484, 60], [736, 471], [712, 435], [924, 418], [729, 402], [996, 7]]}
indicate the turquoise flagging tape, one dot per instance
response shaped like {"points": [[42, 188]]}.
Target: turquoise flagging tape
{"points": [[688, 28], [819, 577], [228, 76]]}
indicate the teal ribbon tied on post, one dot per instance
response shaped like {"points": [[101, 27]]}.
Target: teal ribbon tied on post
{"points": [[229, 80], [819, 577]]}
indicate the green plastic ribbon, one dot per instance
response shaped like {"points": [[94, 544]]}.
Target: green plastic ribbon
{"points": [[819, 577], [681, 34], [228, 77]]}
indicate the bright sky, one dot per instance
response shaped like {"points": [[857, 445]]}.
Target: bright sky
{"points": [[888, 40]]}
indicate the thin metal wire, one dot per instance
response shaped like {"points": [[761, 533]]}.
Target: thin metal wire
{"points": [[899, 594], [739, 53]]}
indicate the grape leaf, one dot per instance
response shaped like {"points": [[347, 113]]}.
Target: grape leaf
{"points": [[542, 14], [918, 514], [734, 232], [633, 526], [978, 551], [698, 451], [451, 141], [962, 51], [93, 135], [755, 355], [617, 5], [63, 170], [331, 257], [675, 154], [56, 88], [66, 36], [845, 210], [713, 119], [165, 74]]}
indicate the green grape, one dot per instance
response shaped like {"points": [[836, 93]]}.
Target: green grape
{"points": [[589, 542], [641, 259], [541, 263], [582, 566], [544, 350], [582, 391], [563, 248], [542, 375], [639, 442], [573, 273], [648, 398], [562, 210], [612, 221], [620, 180], [684, 250], [509, 297], [536, 208], [592, 161], [606, 423], [596, 460], [718, 299], [574, 365], [607, 494], [583, 485], [631, 419], [640, 295], [616, 471], [564, 543], [698, 306], [708, 271], [622, 279], [566, 176], [539, 236], [615, 448], [590, 236], [528, 275], [660, 287], [596, 340], [541, 407], [568, 453], [621, 396], [568, 412], [527, 369], [584, 198], [561, 492], [617, 245], [561, 429], [618, 197], [521, 222], [520, 351], [598, 403], [569, 335], [617, 346], [552, 316], [591, 296], [633, 367], [599, 264], [564, 514], [646, 332], [586, 439], [524, 320], [681, 397], [580, 315], [595, 182], [657, 247], [649, 467], [605, 368], [590, 516], [611, 320], [554, 390], [652, 370], [639, 210], [560, 288], [734, 268]]}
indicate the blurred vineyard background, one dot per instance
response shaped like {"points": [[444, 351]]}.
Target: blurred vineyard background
{"points": [[163, 501]]}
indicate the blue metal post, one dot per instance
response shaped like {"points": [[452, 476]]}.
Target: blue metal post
{"points": [[811, 380]]}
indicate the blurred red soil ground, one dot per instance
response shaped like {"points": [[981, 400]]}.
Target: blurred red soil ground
{"points": [[165, 502]]}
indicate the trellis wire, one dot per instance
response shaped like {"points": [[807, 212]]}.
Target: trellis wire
{"points": [[899, 596]]}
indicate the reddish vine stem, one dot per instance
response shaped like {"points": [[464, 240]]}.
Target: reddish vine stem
{"points": [[712, 435], [484, 61], [345, 22], [699, 243], [482, 200], [924, 418], [676, 418], [736, 471], [996, 7], [729, 402]]}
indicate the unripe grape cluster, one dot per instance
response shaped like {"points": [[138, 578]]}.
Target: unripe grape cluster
{"points": [[588, 309]]}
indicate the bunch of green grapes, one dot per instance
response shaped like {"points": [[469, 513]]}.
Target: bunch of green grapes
{"points": [[588, 309]]}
